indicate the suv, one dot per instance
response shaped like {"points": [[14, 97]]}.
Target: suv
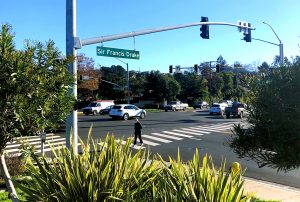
{"points": [[201, 105], [218, 108], [237, 109], [126, 111]]}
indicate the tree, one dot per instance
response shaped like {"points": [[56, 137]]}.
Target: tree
{"points": [[228, 88], [110, 76], [221, 60], [88, 77], [161, 86], [273, 137], [137, 83], [34, 90]]}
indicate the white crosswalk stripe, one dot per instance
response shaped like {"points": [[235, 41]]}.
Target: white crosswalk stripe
{"points": [[52, 140], [156, 138], [188, 132], [193, 129], [206, 130], [177, 134], [167, 136]]}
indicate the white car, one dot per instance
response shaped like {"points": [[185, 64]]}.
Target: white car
{"points": [[218, 108], [126, 111]]}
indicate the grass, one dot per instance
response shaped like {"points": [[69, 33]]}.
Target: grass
{"points": [[4, 196]]}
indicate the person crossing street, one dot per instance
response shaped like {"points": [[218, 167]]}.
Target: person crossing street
{"points": [[138, 131]]}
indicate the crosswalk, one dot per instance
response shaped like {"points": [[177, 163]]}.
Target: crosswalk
{"points": [[52, 140], [149, 139], [165, 137]]}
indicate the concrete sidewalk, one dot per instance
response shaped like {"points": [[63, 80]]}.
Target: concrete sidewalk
{"points": [[270, 191]]}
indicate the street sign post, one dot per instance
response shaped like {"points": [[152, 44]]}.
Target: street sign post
{"points": [[118, 53]]}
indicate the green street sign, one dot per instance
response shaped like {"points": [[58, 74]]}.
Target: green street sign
{"points": [[117, 53]]}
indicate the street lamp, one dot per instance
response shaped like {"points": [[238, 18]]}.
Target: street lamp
{"points": [[280, 44]]}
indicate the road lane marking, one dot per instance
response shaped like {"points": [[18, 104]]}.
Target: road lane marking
{"points": [[193, 129], [167, 136], [30, 139], [188, 132], [177, 134], [48, 142], [134, 146], [150, 143], [208, 130], [156, 138]]}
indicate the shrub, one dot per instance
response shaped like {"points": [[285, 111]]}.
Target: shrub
{"points": [[15, 165], [109, 171]]}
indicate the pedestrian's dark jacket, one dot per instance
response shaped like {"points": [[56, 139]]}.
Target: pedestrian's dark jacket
{"points": [[138, 127]]}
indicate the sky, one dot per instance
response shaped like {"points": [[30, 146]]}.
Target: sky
{"points": [[43, 20]]}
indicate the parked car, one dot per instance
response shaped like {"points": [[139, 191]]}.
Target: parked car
{"points": [[105, 110], [237, 109], [218, 108], [96, 106], [201, 105], [126, 111], [176, 105]]}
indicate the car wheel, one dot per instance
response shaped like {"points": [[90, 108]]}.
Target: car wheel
{"points": [[166, 110], [126, 117], [86, 114], [210, 113], [94, 112], [173, 109], [142, 115], [184, 109], [227, 116]]}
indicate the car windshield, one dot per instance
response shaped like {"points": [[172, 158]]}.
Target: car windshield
{"points": [[215, 105], [117, 107], [172, 103], [93, 104]]}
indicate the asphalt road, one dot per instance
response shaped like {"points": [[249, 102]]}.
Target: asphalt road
{"points": [[198, 129]]}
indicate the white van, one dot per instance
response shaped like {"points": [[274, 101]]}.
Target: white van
{"points": [[95, 107]]}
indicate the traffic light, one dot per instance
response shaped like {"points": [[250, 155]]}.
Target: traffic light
{"points": [[204, 28], [247, 34], [218, 68], [195, 68], [170, 69]]}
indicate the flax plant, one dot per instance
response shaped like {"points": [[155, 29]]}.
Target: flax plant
{"points": [[104, 171], [110, 171], [192, 181]]}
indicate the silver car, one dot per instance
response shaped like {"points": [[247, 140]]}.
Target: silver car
{"points": [[218, 108], [126, 111]]}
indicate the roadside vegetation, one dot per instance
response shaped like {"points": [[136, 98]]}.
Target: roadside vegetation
{"points": [[273, 138], [110, 171], [33, 92]]}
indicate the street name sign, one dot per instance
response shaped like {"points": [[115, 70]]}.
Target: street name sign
{"points": [[118, 53]]}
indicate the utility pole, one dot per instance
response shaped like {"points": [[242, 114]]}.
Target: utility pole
{"points": [[71, 122], [280, 44]]}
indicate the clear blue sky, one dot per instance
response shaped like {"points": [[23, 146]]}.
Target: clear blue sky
{"points": [[44, 20]]}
